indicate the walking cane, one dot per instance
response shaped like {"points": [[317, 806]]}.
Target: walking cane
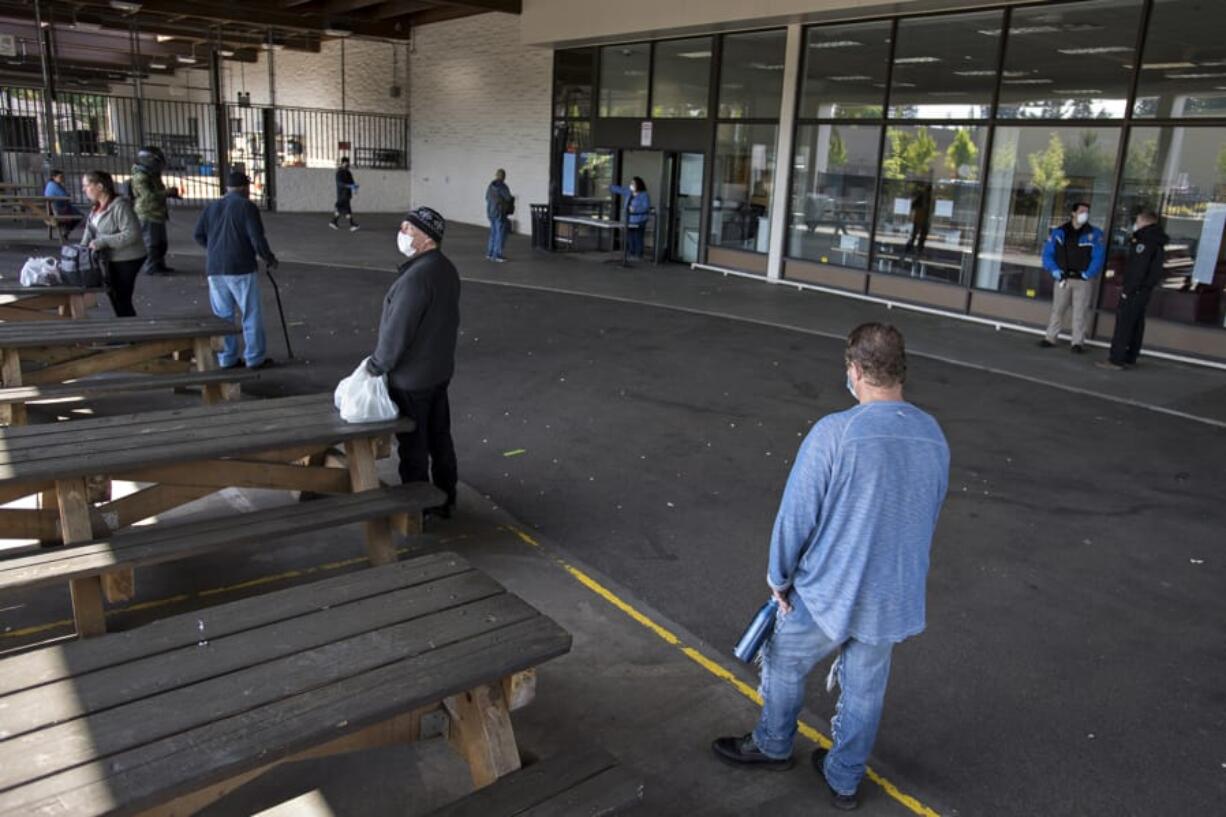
{"points": [[289, 350]]}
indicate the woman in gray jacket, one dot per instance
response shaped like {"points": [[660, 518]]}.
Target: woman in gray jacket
{"points": [[112, 227]]}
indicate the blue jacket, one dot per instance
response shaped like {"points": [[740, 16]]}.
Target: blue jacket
{"points": [[637, 205], [233, 233], [60, 208], [498, 200], [1092, 237], [856, 521]]}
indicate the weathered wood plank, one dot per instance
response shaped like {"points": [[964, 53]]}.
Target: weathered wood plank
{"points": [[111, 330], [75, 525], [121, 385], [165, 635], [481, 732], [147, 502], [104, 360], [534, 785], [151, 774], [613, 791], [239, 474]]}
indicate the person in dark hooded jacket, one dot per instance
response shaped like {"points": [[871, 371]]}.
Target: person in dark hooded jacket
{"points": [[1142, 272]]}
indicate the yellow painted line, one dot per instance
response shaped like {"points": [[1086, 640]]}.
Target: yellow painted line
{"points": [[718, 670]]}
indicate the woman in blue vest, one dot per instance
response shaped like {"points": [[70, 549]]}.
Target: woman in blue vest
{"points": [[638, 203]]}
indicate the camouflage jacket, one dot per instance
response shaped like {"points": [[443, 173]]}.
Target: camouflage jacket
{"points": [[149, 194]]}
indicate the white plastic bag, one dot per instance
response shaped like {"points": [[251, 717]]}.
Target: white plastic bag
{"points": [[363, 398], [40, 272]]}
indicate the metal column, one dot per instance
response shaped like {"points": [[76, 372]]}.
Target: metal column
{"points": [[49, 152], [221, 123]]}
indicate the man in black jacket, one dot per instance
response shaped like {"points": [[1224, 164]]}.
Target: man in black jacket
{"points": [[416, 350], [1142, 272], [345, 188]]}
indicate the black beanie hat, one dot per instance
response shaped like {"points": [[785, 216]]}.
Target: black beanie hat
{"points": [[428, 221]]}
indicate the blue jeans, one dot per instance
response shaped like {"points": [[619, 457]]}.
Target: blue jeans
{"points": [[242, 292], [634, 240], [863, 670], [498, 237]]}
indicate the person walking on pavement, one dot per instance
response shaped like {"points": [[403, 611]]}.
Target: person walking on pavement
{"points": [[345, 188], [67, 216], [499, 206], [638, 208], [149, 195], [848, 563], [1142, 272], [113, 230], [232, 233], [1074, 255], [416, 350]]}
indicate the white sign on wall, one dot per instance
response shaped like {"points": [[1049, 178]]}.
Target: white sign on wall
{"points": [[645, 130], [8, 45]]}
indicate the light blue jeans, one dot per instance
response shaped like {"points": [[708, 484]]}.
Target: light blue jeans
{"points": [[862, 672], [498, 237], [228, 293]]}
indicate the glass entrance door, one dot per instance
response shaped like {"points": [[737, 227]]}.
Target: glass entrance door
{"points": [[686, 207]]}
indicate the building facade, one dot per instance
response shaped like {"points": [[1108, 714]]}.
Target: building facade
{"points": [[920, 157]]}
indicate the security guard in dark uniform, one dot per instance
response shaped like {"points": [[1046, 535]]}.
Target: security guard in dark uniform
{"points": [[1142, 272]]}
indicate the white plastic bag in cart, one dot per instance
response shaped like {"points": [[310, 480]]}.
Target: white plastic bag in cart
{"points": [[40, 272], [363, 398]]}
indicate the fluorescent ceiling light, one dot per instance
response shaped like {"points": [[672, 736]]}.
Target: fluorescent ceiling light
{"points": [[226, 52], [125, 6], [694, 55], [947, 93], [899, 85], [1097, 49], [164, 38], [333, 31], [1020, 30], [835, 44], [161, 66], [764, 66], [1202, 75], [989, 73], [185, 59], [81, 25], [1028, 81], [1165, 66], [1079, 91], [915, 60], [849, 78], [1212, 63]]}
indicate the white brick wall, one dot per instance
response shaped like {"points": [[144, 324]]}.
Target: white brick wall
{"points": [[479, 101]]}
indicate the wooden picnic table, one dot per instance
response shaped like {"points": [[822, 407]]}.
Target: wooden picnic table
{"points": [[18, 303], [59, 351], [179, 456], [36, 208], [171, 716]]}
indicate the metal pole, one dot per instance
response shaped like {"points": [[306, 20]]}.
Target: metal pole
{"points": [[134, 40], [342, 76], [272, 72], [48, 89], [221, 123]]}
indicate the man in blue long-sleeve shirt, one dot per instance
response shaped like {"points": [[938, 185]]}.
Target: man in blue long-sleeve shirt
{"points": [[848, 562], [232, 232], [1074, 255]]}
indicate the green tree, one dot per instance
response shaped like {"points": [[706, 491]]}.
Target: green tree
{"points": [[1141, 163], [963, 152], [911, 154], [838, 150], [1086, 159], [1047, 175]]}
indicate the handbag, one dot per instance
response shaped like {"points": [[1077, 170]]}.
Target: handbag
{"points": [[749, 648], [80, 266]]}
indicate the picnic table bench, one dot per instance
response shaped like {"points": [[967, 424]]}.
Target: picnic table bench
{"points": [[181, 456], [169, 717], [30, 207], [18, 303], [61, 351]]}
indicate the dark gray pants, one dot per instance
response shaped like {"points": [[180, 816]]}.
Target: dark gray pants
{"points": [[156, 244]]}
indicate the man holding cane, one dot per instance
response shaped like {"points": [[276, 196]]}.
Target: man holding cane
{"points": [[232, 232]]}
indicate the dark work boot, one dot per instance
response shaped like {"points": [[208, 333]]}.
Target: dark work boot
{"points": [[743, 751], [843, 802]]}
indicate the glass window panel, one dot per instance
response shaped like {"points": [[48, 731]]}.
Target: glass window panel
{"points": [[572, 82], [584, 173], [744, 181], [844, 73], [1035, 176], [1181, 174], [751, 75], [944, 68], [1184, 70], [834, 178], [1069, 61], [681, 78], [929, 206], [623, 80]]}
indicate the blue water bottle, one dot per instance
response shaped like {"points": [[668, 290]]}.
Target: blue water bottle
{"points": [[760, 629]]}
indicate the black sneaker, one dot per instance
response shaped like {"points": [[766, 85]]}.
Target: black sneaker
{"points": [[266, 363], [743, 751], [1077, 349], [843, 802], [1045, 344], [238, 364]]}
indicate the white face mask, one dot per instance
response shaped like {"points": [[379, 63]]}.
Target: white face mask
{"points": [[404, 243], [852, 389], [1082, 218]]}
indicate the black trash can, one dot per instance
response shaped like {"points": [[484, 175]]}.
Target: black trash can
{"points": [[542, 228]]}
